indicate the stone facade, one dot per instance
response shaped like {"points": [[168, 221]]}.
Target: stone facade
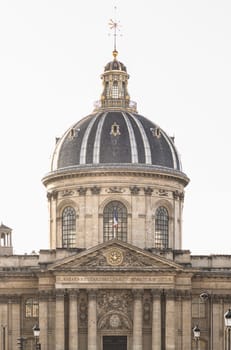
{"points": [[115, 276], [114, 290]]}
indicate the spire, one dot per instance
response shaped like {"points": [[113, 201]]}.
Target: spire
{"points": [[115, 26]]}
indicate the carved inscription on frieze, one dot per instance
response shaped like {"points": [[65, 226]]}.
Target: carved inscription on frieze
{"points": [[110, 279]]}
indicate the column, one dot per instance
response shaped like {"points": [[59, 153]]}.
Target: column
{"points": [[4, 324], [217, 321], [84, 237], [170, 321], [137, 320], [43, 319], [9, 325], [73, 320], [148, 223], [156, 319], [55, 239], [59, 321], [92, 321], [186, 321], [15, 322]]}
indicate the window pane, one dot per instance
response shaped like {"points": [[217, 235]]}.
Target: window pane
{"points": [[115, 90], [31, 308], [161, 228], [115, 221], [69, 227]]}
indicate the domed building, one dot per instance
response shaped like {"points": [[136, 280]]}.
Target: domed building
{"points": [[115, 162], [115, 276]]}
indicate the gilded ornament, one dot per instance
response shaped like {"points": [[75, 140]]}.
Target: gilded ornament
{"points": [[115, 257]]}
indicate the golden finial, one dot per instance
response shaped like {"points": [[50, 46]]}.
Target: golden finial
{"points": [[115, 26], [115, 53]]}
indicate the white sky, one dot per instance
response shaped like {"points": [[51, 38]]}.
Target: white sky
{"points": [[178, 55]]}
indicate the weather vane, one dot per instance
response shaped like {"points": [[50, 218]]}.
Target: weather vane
{"points": [[115, 26]]}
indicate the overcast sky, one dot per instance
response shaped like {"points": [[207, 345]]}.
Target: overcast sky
{"points": [[178, 55]]}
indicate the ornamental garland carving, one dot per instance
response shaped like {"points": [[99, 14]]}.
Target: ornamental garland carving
{"points": [[178, 195], [82, 310], [66, 193], [114, 301], [131, 260], [134, 190], [95, 261], [146, 312], [52, 195], [148, 191], [116, 257], [147, 308], [95, 190], [115, 189], [163, 193], [82, 191]]}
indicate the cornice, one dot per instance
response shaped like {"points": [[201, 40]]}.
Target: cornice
{"points": [[212, 274], [17, 274], [112, 170]]}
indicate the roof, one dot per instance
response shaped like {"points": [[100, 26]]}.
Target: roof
{"points": [[115, 137]]}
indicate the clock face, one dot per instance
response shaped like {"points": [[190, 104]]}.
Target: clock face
{"points": [[115, 257]]}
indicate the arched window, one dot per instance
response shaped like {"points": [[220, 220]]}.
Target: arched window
{"points": [[115, 221], [31, 307], [161, 228], [68, 227], [115, 90]]}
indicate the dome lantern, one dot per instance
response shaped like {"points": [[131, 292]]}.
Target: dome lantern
{"points": [[115, 93]]}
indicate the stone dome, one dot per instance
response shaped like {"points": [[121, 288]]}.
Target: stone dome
{"points": [[115, 137]]}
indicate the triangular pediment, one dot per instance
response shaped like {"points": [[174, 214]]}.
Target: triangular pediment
{"points": [[115, 255]]}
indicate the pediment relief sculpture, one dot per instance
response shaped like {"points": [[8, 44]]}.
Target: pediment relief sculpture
{"points": [[119, 256]]}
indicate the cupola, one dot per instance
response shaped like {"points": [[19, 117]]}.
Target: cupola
{"points": [[6, 247], [115, 80]]}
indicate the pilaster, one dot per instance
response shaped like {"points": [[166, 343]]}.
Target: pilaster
{"points": [[59, 322], [170, 342], [92, 321], [137, 320], [156, 319], [73, 319], [43, 319], [186, 321], [14, 321]]}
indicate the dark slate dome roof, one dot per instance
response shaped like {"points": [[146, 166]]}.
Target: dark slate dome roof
{"points": [[115, 65], [115, 138]]}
